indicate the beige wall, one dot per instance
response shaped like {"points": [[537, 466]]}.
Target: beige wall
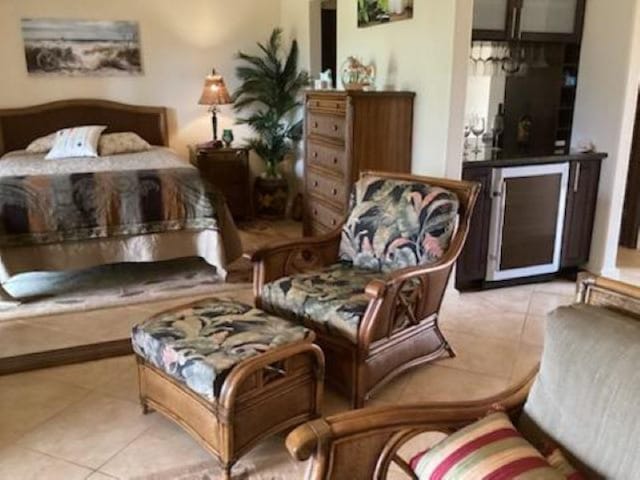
{"points": [[300, 20], [605, 111], [426, 55], [181, 42]]}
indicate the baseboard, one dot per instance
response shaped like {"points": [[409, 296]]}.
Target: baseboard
{"points": [[65, 356]]}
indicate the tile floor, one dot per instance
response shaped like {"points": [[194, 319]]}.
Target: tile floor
{"points": [[629, 265], [84, 422]]}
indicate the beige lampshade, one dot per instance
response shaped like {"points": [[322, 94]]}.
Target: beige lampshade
{"points": [[214, 91]]}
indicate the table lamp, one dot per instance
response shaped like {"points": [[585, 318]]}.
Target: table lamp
{"points": [[214, 93]]}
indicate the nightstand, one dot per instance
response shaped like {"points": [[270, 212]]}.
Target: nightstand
{"points": [[228, 170]]}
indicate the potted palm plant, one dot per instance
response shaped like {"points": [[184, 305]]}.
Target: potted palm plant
{"points": [[269, 95]]}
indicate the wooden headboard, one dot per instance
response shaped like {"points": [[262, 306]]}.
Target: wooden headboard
{"points": [[20, 126]]}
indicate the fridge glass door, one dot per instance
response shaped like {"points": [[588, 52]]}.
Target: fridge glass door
{"points": [[527, 221]]}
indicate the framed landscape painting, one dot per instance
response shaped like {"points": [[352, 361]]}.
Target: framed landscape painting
{"points": [[81, 47], [377, 12]]}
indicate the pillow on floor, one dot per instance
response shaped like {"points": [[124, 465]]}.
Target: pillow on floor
{"points": [[76, 142], [42, 144], [490, 449], [124, 142]]}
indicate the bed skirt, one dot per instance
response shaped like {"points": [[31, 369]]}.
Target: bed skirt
{"points": [[217, 248]]}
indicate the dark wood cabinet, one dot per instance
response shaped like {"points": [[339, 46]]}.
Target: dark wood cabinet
{"points": [[472, 263], [494, 20], [529, 20], [345, 134], [584, 178], [582, 192], [228, 170], [536, 96]]}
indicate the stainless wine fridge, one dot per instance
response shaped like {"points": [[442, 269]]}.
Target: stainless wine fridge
{"points": [[527, 221]]}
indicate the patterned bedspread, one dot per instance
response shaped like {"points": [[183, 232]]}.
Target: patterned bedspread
{"points": [[71, 205]]}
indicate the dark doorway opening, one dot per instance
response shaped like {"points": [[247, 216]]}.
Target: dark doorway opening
{"points": [[631, 211], [330, 39]]}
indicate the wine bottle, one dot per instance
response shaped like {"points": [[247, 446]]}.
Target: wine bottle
{"points": [[498, 128], [525, 127]]}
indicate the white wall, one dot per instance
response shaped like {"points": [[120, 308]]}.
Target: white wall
{"points": [[605, 111], [427, 55], [459, 71], [300, 20], [181, 42]]}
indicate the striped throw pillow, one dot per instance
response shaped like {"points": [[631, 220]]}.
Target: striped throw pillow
{"points": [[490, 449]]}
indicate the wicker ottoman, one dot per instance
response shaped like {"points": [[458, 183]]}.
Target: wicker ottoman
{"points": [[228, 373]]}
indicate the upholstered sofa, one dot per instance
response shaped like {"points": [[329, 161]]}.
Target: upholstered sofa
{"points": [[584, 399]]}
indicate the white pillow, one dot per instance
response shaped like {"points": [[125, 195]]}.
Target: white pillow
{"points": [[123, 142], [76, 142], [42, 144]]}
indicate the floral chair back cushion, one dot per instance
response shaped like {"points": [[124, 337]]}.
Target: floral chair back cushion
{"points": [[395, 224]]}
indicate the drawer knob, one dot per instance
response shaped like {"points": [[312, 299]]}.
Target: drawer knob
{"points": [[317, 103], [334, 222], [315, 212], [335, 192], [315, 154], [315, 124], [315, 183], [335, 160], [335, 128], [338, 105]]}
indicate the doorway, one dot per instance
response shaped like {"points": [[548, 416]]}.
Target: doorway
{"points": [[628, 262], [630, 229], [330, 38]]}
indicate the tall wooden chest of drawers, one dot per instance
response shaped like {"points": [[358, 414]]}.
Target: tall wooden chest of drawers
{"points": [[345, 134]]}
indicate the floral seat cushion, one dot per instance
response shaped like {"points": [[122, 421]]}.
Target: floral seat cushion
{"points": [[395, 224], [200, 343], [331, 299]]}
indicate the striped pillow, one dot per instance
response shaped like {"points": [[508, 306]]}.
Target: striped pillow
{"points": [[490, 449]]}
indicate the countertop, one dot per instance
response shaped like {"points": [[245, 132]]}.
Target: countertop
{"points": [[495, 158]]}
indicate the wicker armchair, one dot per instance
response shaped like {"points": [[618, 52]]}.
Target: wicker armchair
{"points": [[602, 442], [398, 324]]}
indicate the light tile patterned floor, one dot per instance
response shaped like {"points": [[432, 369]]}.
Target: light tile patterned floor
{"points": [[629, 265], [83, 421]]}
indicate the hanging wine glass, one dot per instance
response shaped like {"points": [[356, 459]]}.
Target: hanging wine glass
{"points": [[478, 126]]}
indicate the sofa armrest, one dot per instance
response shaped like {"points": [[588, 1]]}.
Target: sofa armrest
{"points": [[363, 443], [291, 257]]}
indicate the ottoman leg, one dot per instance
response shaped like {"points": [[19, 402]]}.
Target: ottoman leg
{"points": [[146, 409]]}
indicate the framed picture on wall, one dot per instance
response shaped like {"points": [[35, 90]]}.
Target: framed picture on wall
{"points": [[81, 47], [378, 12]]}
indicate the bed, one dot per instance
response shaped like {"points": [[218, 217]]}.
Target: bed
{"points": [[82, 212]]}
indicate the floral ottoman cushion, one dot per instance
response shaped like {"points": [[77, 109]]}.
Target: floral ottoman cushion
{"points": [[199, 344]]}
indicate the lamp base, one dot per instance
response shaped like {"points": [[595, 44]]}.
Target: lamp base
{"points": [[214, 122]]}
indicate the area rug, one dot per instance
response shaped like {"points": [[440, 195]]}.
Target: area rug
{"points": [[244, 470], [108, 286], [116, 285]]}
